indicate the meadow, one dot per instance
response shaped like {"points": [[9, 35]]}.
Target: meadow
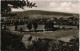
{"points": [[64, 34]]}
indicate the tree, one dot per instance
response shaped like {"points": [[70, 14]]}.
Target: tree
{"points": [[16, 27], [29, 26], [6, 5], [35, 25]]}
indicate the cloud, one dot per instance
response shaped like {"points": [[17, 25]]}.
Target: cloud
{"points": [[53, 4], [53, 0], [65, 6], [60, 6], [15, 10]]}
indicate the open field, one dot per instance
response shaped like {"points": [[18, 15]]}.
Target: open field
{"points": [[65, 34]]}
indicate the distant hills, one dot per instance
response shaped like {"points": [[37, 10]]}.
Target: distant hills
{"points": [[40, 12]]}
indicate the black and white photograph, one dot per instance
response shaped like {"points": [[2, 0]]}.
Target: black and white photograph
{"points": [[39, 25]]}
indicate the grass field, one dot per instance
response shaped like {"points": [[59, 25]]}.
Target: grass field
{"points": [[65, 34]]}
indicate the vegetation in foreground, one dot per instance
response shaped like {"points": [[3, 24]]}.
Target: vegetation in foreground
{"points": [[14, 42]]}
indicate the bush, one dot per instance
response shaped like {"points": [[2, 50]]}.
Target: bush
{"points": [[11, 41]]}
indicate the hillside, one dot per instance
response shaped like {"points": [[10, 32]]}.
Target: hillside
{"points": [[40, 12]]}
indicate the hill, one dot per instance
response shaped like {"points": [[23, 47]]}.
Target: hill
{"points": [[40, 12]]}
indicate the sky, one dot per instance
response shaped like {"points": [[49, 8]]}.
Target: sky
{"points": [[69, 6]]}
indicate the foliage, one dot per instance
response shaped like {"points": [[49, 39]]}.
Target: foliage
{"points": [[7, 5], [11, 41]]}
